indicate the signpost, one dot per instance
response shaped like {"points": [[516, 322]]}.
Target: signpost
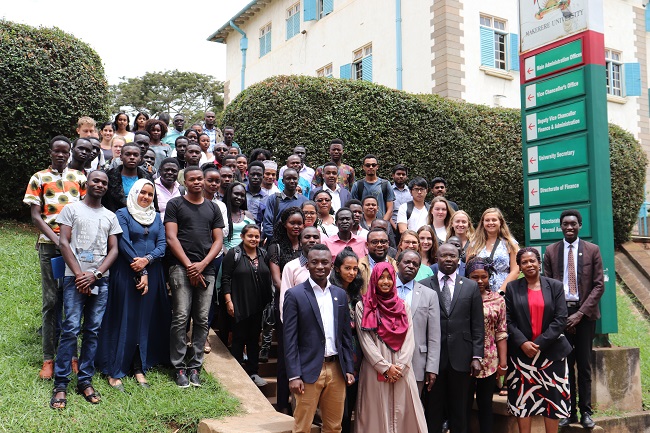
{"points": [[564, 129]]}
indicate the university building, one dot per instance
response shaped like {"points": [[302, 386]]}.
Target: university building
{"points": [[459, 49]]}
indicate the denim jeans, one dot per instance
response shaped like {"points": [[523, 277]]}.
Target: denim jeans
{"points": [[52, 301], [188, 302], [76, 306]]}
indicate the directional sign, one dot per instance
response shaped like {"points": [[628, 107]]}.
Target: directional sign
{"points": [[553, 60], [555, 89], [557, 155], [567, 188], [555, 121], [545, 225]]}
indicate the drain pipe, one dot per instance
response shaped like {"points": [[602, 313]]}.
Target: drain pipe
{"points": [[243, 46], [398, 41]]}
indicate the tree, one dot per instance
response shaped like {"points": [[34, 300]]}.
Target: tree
{"points": [[173, 92], [48, 79]]}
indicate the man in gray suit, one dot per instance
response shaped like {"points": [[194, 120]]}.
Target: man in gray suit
{"points": [[425, 315]]}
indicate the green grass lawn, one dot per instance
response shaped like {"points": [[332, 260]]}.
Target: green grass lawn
{"points": [[24, 397], [633, 331]]}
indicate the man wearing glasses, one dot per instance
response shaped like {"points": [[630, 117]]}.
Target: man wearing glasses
{"points": [[372, 185], [413, 214], [377, 245]]}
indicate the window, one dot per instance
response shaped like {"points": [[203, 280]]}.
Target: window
{"points": [[325, 71], [499, 49], [293, 21], [613, 70], [361, 66], [265, 39], [317, 9]]}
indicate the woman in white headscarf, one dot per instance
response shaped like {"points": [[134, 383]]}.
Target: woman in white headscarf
{"points": [[135, 330]]}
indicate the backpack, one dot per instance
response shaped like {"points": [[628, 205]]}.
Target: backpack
{"points": [[239, 253], [384, 189], [410, 206]]}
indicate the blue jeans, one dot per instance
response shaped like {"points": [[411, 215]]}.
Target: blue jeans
{"points": [[76, 306]]}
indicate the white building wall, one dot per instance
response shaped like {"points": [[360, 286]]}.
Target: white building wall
{"points": [[416, 46]]}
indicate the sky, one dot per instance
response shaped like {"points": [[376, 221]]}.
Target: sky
{"points": [[133, 38]]}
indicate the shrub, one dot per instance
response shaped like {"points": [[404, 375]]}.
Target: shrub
{"points": [[48, 79], [477, 149]]}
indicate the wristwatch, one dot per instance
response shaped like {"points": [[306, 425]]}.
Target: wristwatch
{"points": [[502, 293], [98, 275]]}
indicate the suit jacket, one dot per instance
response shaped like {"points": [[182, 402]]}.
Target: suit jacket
{"points": [[591, 283], [552, 342], [425, 315], [115, 199], [365, 271], [344, 194], [462, 331], [304, 336]]}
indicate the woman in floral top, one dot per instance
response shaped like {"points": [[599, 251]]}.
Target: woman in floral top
{"points": [[345, 274], [494, 361]]}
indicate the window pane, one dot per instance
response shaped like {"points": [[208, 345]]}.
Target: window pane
{"points": [[499, 25], [485, 21]]}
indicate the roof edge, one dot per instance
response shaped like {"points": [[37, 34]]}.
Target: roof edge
{"points": [[220, 35]]}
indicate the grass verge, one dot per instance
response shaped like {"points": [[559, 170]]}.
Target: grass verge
{"points": [[633, 331], [24, 397]]}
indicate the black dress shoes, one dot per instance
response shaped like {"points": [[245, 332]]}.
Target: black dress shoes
{"points": [[587, 422], [564, 422]]}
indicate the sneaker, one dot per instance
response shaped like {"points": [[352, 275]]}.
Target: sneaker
{"points": [[264, 356], [258, 380], [181, 379], [194, 378]]}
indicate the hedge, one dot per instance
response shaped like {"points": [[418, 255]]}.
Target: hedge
{"points": [[477, 149], [48, 79]]}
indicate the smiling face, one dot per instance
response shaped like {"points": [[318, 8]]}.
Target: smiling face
{"points": [[294, 162], [426, 240], [122, 121], [460, 224], [331, 175], [269, 178], [145, 197], [324, 203], [385, 282], [242, 164], [168, 174], [310, 215], [377, 245], [447, 259], [319, 263], [570, 228], [309, 237], [238, 196], [294, 225], [107, 133], [492, 223], [116, 147], [370, 208], [529, 265], [194, 181], [97, 184], [348, 269], [439, 212], [251, 238], [409, 242]]}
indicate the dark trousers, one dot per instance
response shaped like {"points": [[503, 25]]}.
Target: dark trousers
{"points": [[246, 332], [484, 389], [582, 342], [451, 390], [283, 380]]}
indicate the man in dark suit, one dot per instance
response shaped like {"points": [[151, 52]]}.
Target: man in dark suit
{"points": [[318, 345], [578, 264], [340, 195], [425, 315], [461, 348]]}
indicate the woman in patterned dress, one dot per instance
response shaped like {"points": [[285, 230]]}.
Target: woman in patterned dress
{"points": [[493, 240], [494, 363], [538, 376]]}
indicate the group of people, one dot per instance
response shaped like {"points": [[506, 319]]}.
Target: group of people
{"points": [[391, 312]]}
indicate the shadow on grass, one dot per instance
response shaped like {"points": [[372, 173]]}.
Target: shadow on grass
{"points": [[24, 398]]}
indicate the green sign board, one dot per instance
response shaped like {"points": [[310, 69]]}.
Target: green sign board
{"points": [[554, 121], [557, 155], [556, 89], [553, 60], [567, 188], [545, 225]]}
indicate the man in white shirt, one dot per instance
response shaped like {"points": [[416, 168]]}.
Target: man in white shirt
{"points": [[340, 195], [318, 345], [305, 172], [417, 217]]}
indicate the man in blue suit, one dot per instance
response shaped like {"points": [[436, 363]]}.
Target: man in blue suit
{"points": [[318, 345]]}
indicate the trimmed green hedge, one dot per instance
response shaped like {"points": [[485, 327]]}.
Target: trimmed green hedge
{"points": [[477, 149], [48, 79]]}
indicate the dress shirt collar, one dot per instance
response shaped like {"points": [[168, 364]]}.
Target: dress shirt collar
{"points": [[315, 286], [410, 285], [452, 277], [327, 188], [372, 262], [574, 243]]}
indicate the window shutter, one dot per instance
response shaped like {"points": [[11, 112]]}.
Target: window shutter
{"points": [[262, 45], [514, 51], [487, 47], [268, 42], [344, 71], [290, 27], [296, 23], [309, 7], [647, 18], [328, 6], [366, 68], [632, 72]]}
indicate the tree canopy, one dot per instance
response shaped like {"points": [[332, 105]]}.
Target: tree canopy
{"points": [[174, 91]]}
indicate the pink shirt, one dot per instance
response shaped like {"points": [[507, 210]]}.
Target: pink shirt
{"points": [[164, 195], [336, 245], [294, 273]]}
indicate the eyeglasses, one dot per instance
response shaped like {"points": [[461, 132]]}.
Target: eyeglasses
{"points": [[371, 165], [379, 242], [419, 190], [323, 200]]}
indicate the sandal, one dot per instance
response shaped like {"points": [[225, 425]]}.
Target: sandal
{"points": [[93, 397], [58, 403]]}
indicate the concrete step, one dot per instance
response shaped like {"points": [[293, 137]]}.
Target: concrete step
{"points": [[634, 278], [271, 388], [269, 369], [263, 422]]}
